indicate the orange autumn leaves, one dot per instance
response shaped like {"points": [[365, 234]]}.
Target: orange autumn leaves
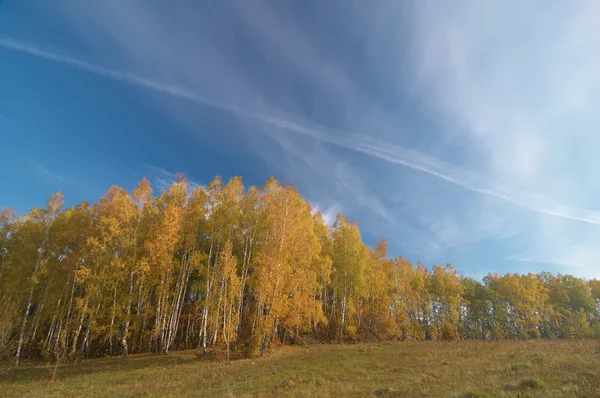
{"points": [[226, 267]]}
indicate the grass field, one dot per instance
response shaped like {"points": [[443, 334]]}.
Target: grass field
{"points": [[436, 369]]}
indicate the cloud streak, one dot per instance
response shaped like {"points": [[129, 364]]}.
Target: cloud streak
{"points": [[390, 153], [164, 179], [49, 175]]}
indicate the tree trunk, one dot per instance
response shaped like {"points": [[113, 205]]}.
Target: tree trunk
{"points": [[68, 321], [23, 325], [265, 345], [28, 308], [267, 340], [86, 339], [78, 330], [130, 299], [112, 320], [38, 314], [127, 317], [51, 330], [207, 294]]}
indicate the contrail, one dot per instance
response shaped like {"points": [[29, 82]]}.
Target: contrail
{"points": [[390, 153]]}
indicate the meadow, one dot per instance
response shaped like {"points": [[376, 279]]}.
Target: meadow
{"points": [[555, 368]]}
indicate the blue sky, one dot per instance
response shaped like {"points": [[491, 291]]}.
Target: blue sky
{"points": [[464, 132]]}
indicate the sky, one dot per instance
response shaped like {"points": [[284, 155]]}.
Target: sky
{"points": [[465, 132]]}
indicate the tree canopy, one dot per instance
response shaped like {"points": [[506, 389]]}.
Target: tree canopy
{"points": [[244, 269]]}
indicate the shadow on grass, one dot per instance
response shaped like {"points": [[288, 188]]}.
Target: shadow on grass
{"points": [[43, 371]]}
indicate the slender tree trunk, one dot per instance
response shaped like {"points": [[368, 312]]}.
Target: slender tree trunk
{"points": [[140, 329], [51, 330], [23, 325], [182, 298], [57, 340], [219, 301], [156, 332], [171, 328], [163, 316], [86, 339], [130, 297], [142, 333], [213, 340], [181, 286], [265, 345], [206, 300], [267, 339], [38, 314], [70, 307], [246, 263], [225, 329], [343, 309], [78, 330], [30, 300], [187, 330], [127, 317], [112, 319]]}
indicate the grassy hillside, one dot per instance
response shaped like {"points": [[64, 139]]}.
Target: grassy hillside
{"points": [[462, 369]]}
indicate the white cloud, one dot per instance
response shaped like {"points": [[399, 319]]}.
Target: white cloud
{"points": [[514, 84], [50, 176], [329, 211], [387, 152], [518, 83], [164, 179]]}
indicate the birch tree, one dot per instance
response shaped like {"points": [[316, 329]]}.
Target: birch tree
{"points": [[44, 219]]}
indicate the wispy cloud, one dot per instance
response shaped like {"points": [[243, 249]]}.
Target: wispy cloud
{"points": [[163, 179], [518, 90], [390, 153], [329, 211], [51, 176], [579, 257], [519, 95], [343, 139]]}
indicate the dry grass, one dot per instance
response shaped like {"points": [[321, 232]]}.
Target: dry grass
{"points": [[423, 369]]}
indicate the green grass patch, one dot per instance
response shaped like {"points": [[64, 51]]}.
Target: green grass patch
{"points": [[408, 369]]}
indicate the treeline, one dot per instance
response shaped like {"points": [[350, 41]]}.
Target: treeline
{"points": [[222, 266]]}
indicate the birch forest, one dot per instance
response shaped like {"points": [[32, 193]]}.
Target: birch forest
{"points": [[223, 267]]}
